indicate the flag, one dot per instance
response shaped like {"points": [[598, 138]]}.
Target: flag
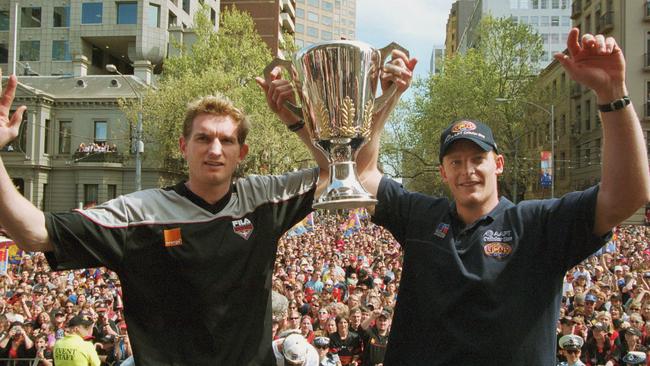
{"points": [[352, 225], [304, 226]]}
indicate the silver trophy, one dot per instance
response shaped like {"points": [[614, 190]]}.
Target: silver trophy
{"points": [[336, 83]]}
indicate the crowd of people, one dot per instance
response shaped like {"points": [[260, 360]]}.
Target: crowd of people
{"points": [[335, 283], [345, 287], [96, 147]]}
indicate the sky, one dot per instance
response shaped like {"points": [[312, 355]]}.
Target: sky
{"points": [[417, 25]]}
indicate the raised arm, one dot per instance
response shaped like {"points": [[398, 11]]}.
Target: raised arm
{"points": [[277, 92], [24, 222], [400, 72], [598, 63]]}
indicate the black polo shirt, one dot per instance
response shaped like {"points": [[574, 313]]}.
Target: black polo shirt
{"points": [[493, 288], [196, 277]]}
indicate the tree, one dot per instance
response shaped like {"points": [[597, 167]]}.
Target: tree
{"points": [[501, 66], [224, 62]]}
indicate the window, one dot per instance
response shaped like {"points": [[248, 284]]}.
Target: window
{"points": [[97, 57], [523, 19], [564, 4], [61, 16], [326, 20], [535, 4], [555, 38], [61, 51], [555, 21], [312, 16], [543, 4], [186, 6], [312, 32], [555, 4], [46, 143], [101, 131], [300, 13], [300, 28], [153, 15], [327, 6], [300, 43], [313, 2], [534, 21], [111, 191], [566, 21], [30, 17], [91, 195], [543, 21], [514, 19], [127, 13], [587, 115], [30, 50], [91, 13], [65, 133], [45, 198], [4, 20], [325, 35], [4, 53]]}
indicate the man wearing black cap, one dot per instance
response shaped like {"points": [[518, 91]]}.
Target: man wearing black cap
{"points": [[375, 338], [73, 350], [485, 272]]}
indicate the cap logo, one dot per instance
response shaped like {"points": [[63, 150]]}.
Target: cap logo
{"points": [[497, 250], [463, 126]]}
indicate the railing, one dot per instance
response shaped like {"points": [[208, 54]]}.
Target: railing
{"points": [[98, 157], [606, 22], [576, 8], [19, 361]]}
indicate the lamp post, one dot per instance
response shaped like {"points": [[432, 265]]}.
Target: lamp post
{"points": [[551, 112], [139, 145]]}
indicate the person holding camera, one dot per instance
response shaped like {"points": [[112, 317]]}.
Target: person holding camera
{"points": [[17, 344]]}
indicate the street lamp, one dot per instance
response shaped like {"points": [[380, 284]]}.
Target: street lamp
{"points": [[139, 145], [551, 113]]}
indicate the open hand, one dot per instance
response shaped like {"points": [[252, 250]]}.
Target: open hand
{"points": [[9, 126]]}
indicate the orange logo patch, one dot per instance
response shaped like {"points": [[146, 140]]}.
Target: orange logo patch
{"points": [[173, 237], [497, 250], [463, 126]]}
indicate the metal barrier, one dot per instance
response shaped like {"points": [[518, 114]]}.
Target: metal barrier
{"points": [[20, 361]]}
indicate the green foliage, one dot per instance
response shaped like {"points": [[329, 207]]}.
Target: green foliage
{"points": [[223, 62], [501, 66]]}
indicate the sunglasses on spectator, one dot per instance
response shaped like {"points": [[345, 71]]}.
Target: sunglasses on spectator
{"points": [[572, 351]]}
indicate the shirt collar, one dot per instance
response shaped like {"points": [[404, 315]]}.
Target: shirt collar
{"points": [[503, 205], [181, 189]]}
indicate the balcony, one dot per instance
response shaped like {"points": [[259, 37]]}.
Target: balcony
{"points": [[287, 7], [646, 11], [576, 9], [606, 22], [287, 23], [646, 61], [576, 90], [98, 157]]}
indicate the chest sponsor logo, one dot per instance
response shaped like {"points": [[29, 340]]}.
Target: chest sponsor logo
{"points": [[173, 237], [498, 236], [243, 227], [442, 230], [497, 250]]}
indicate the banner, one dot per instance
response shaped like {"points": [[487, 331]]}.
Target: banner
{"points": [[4, 253], [546, 165], [306, 225]]}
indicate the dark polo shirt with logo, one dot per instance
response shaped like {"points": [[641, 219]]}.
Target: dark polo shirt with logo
{"points": [[488, 293], [196, 277]]}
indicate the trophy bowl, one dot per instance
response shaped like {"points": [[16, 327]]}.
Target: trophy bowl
{"points": [[336, 83]]}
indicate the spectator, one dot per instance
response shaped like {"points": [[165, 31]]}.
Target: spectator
{"points": [[327, 358], [72, 349]]}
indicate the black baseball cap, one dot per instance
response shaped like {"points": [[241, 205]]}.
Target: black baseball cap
{"points": [[475, 131], [80, 320]]}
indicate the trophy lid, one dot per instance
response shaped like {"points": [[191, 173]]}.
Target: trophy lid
{"points": [[361, 46]]}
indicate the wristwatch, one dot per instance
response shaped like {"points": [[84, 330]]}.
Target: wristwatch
{"points": [[615, 105]]}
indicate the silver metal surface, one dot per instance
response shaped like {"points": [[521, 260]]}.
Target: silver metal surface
{"points": [[336, 83]]}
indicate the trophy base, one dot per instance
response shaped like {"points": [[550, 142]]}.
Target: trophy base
{"points": [[344, 190]]}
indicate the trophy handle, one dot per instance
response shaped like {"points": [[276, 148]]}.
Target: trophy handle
{"points": [[285, 64], [381, 101]]}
